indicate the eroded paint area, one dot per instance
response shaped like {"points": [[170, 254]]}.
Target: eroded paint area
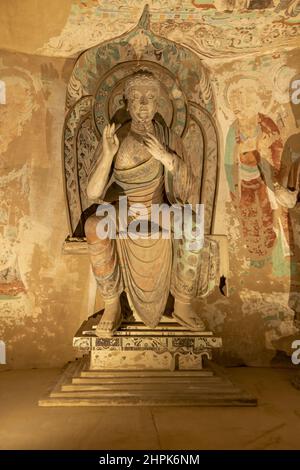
{"points": [[37, 323], [255, 120], [215, 28]]}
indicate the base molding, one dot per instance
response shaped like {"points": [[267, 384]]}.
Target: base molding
{"points": [[78, 385]]}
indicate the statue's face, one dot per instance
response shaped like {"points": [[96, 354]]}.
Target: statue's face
{"points": [[142, 102]]}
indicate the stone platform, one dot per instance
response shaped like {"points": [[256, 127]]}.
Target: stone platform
{"points": [[135, 346], [165, 366]]}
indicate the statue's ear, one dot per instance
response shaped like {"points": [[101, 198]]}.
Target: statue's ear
{"points": [[125, 102]]}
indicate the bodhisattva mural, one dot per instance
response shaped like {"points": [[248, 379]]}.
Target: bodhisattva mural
{"points": [[140, 125], [291, 152], [288, 192], [253, 162]]}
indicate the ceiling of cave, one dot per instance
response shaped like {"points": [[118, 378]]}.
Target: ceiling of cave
{"points": [[222, 29]]}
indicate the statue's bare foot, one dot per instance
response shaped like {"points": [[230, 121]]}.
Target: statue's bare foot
{"points": [[186, 316], [111, 318]]}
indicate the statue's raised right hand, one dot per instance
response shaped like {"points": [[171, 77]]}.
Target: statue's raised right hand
{"points": [[110, 141]]}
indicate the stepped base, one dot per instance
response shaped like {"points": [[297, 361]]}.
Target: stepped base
{"points": [[78, 385]]}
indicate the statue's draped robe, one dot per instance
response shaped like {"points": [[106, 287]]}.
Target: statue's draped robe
{"points": [[146, 264]]}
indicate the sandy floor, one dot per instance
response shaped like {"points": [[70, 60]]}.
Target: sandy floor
{"points": [[274, 424]]}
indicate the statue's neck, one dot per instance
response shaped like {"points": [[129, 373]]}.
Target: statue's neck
{"points": [[142, 127]]}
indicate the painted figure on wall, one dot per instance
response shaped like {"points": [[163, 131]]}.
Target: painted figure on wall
{"points": [[289, 196], [149, 165], [288, 191], [17, 105], [291, 151], [240, 5], [253, 149]]}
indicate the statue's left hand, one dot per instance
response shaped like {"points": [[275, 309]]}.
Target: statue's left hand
{"points": [[159, 152]]}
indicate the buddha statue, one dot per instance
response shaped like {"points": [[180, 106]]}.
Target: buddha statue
{"points": [[149, 165]]}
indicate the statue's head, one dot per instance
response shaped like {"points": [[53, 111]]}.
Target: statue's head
{"points": [[142, 90]]}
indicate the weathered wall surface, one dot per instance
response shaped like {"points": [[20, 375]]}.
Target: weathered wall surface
{"points": [[255, 113], [252, 55], [42, 294]]}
